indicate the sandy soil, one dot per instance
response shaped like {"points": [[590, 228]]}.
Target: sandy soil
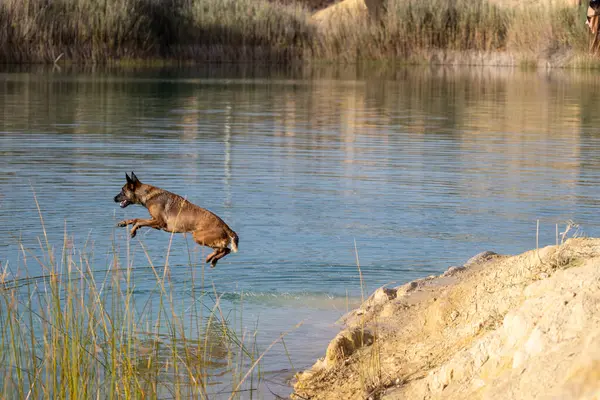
{"points": [[505, 327]]}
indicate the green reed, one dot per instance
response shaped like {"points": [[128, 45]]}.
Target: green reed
{"points": [[74, 332]]}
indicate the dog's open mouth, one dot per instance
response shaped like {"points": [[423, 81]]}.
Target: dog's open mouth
{"points": [[124, 203]]}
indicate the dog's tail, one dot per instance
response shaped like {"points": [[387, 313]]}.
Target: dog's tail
{"points": [[234, 239]]}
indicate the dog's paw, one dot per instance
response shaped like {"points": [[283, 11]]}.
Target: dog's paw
{"points": [[133, 233], [122, 224]]}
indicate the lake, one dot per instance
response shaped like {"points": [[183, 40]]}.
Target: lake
{"points": [[403, 171]]}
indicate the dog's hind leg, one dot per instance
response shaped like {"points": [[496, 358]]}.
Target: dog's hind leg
{"points": [[215, 239], [212, 255], [222, 252]]}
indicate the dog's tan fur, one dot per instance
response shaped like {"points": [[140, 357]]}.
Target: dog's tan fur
{"points": [[172, 213]]}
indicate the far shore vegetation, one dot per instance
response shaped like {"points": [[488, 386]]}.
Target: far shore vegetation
{"points": [[108, 31]]}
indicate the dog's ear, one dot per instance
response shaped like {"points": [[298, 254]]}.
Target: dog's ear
{"points": [[134, 178], [129, 180]]}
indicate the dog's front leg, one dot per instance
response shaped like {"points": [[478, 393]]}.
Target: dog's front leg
{"points": [[152, 223], [126, 222]]}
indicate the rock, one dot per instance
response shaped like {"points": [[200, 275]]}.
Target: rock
{"points": [[453, 315], [346, 343], [453, 271], [383, 295], [379, 298], [480, 258], [406, 288]]}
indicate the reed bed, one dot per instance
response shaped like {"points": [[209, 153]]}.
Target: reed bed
{"points": [[410, 29], [74, 332], [95, 31], [101, 31]]}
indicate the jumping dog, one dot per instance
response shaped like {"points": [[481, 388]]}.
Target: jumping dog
{"points": [[172, 213]]}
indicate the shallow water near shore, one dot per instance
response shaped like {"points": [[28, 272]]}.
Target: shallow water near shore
{"points": [[415, 169]]}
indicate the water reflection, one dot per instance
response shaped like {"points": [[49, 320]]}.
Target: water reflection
{"points": [[382, 156]]}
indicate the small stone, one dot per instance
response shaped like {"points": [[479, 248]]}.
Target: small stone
{"points": [[383, 295], [406, 288], [453, 271], [480, 258], [454, 315]]}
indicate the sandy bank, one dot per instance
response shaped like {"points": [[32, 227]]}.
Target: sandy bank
{"points": [[505, 327]]}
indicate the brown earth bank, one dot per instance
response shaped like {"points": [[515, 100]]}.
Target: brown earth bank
{"points": [[497, 327]]}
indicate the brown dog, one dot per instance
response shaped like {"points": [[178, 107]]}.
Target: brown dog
{"points": [[173, 213]]}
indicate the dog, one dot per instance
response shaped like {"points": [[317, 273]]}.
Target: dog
{"points": [[172, 213]]}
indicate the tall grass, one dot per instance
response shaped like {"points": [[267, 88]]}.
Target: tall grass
{"points": [[547, 31], [261, 30], [104, 30], [411, 28], [78, 333]]}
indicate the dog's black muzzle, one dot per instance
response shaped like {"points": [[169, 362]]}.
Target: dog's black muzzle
{"points": [[120, 198]]}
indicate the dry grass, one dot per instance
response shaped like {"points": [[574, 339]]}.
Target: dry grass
{"points": [[549, 30], [106, 30], [410, 28], [98, 31], [369, 366]]}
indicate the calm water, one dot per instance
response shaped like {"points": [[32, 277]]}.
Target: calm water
{"points": [[421, 168]]}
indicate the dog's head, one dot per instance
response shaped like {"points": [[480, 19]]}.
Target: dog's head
{"points": [[128, 192]]}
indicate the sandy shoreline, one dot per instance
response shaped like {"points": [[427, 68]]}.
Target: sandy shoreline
{"points": [[499, 326]]}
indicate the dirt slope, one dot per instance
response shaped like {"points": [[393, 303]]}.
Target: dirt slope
{"points": [[500, 327]]}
